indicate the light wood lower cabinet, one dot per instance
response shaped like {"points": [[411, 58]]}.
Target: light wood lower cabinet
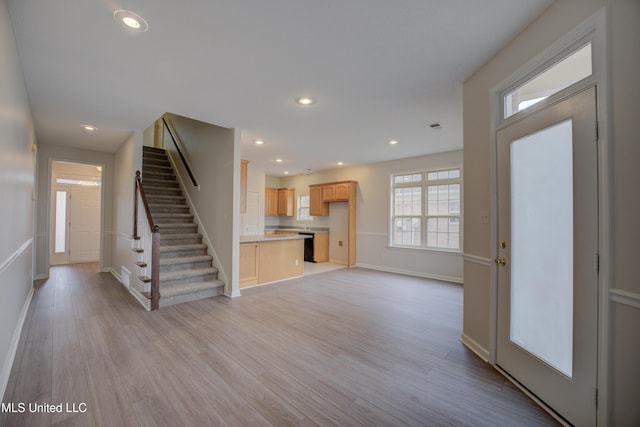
{"points": [[321, 247], [270, 261], [249, 259]]}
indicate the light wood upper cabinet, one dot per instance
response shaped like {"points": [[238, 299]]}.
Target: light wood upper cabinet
{"points": [[336, 192], [271, 202], [279, 201], [342, 191], [286, 201], [316, 205], [328, 193], [243, 185]]}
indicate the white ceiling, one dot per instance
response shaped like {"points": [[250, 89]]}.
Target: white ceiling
{"points": [[378, 70]]}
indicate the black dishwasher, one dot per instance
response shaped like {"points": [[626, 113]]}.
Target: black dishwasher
{"points": [[308, 246]]}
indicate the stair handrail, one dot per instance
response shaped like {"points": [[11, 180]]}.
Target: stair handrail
{"points": [[180, 148], [154, 294]]}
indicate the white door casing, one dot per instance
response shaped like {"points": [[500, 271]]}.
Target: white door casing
{"points": [[556, 363]]}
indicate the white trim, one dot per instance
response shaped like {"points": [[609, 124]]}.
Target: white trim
{"points": [[141, 299], [131, 289], [452, 279], [473, 345], [114, 273], [371, 233], [630, 299], [477, 260], [6, 263], [533, 397], [13, 348]]}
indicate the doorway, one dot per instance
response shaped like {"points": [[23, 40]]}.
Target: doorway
{"points": [[548, 255], [76, 193]]}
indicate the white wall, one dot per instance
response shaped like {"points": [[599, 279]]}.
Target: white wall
{"points": [[623, 375], [17, 190], [372, 217], [256, 182], [46, 155], [127, 160], [214, 154]]}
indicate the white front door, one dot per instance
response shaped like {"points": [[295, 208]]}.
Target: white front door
{"points": [[84, 229], [75, 224], [548, 255]]}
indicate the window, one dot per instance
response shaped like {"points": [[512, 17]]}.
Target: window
{"points": [[303, 208], [569, 70], [426, 210]]}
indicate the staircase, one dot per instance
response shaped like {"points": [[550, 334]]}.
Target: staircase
{"points": [[186, 269]]}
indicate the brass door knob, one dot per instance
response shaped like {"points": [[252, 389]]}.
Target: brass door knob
{"points": [[501, 261]]}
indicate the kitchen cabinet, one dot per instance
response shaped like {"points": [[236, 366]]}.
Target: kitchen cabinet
{"points": [[342, 191], [317, 207], [321, 247], [286, 202], [270, 261], [336, 192], [279, 201], [249, 261], [244, 166], [321, 195], [328, 193], [271, 202]]}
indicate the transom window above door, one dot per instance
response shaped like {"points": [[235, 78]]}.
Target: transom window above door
{"points": [[570, 69]]}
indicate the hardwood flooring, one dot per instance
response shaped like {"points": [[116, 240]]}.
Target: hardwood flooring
{"points": [[351, 347]]}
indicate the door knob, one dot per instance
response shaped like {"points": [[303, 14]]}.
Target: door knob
{"points": [[501, 261]]}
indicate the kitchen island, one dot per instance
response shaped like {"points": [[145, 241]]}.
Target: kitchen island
{"points": [[271, 258]]}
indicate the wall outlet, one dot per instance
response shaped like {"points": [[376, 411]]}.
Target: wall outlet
{"points": [[340, 243], [484, 217], [297, 262]]}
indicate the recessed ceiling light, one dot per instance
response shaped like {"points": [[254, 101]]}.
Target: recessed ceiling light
{"points": [[340, 163], [286, 172], [279, 160], [393, 142], [259, 142], [305, 100], [131, 20], [89, 128]]}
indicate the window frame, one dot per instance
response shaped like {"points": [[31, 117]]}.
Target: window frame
{"points": [[424, 184], [299, 207]]}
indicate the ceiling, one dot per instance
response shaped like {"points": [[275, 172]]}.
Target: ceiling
{"points": [[378, 70]]}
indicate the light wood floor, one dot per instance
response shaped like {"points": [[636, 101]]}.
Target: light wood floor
{"points": [[351, 347]]}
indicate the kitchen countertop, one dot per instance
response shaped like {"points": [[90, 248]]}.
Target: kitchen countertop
{"points": [[271, 237], [300, 230]]}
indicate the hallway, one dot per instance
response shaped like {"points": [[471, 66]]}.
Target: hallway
{"points": [[348, 347]]}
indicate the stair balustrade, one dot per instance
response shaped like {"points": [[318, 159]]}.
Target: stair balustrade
{"points": [[148, 234]]}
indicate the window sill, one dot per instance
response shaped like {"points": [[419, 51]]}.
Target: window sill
{"points": [[421, 249]]}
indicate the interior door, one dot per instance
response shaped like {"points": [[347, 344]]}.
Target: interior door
{"points": [[84, 219], [548, 255]]}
